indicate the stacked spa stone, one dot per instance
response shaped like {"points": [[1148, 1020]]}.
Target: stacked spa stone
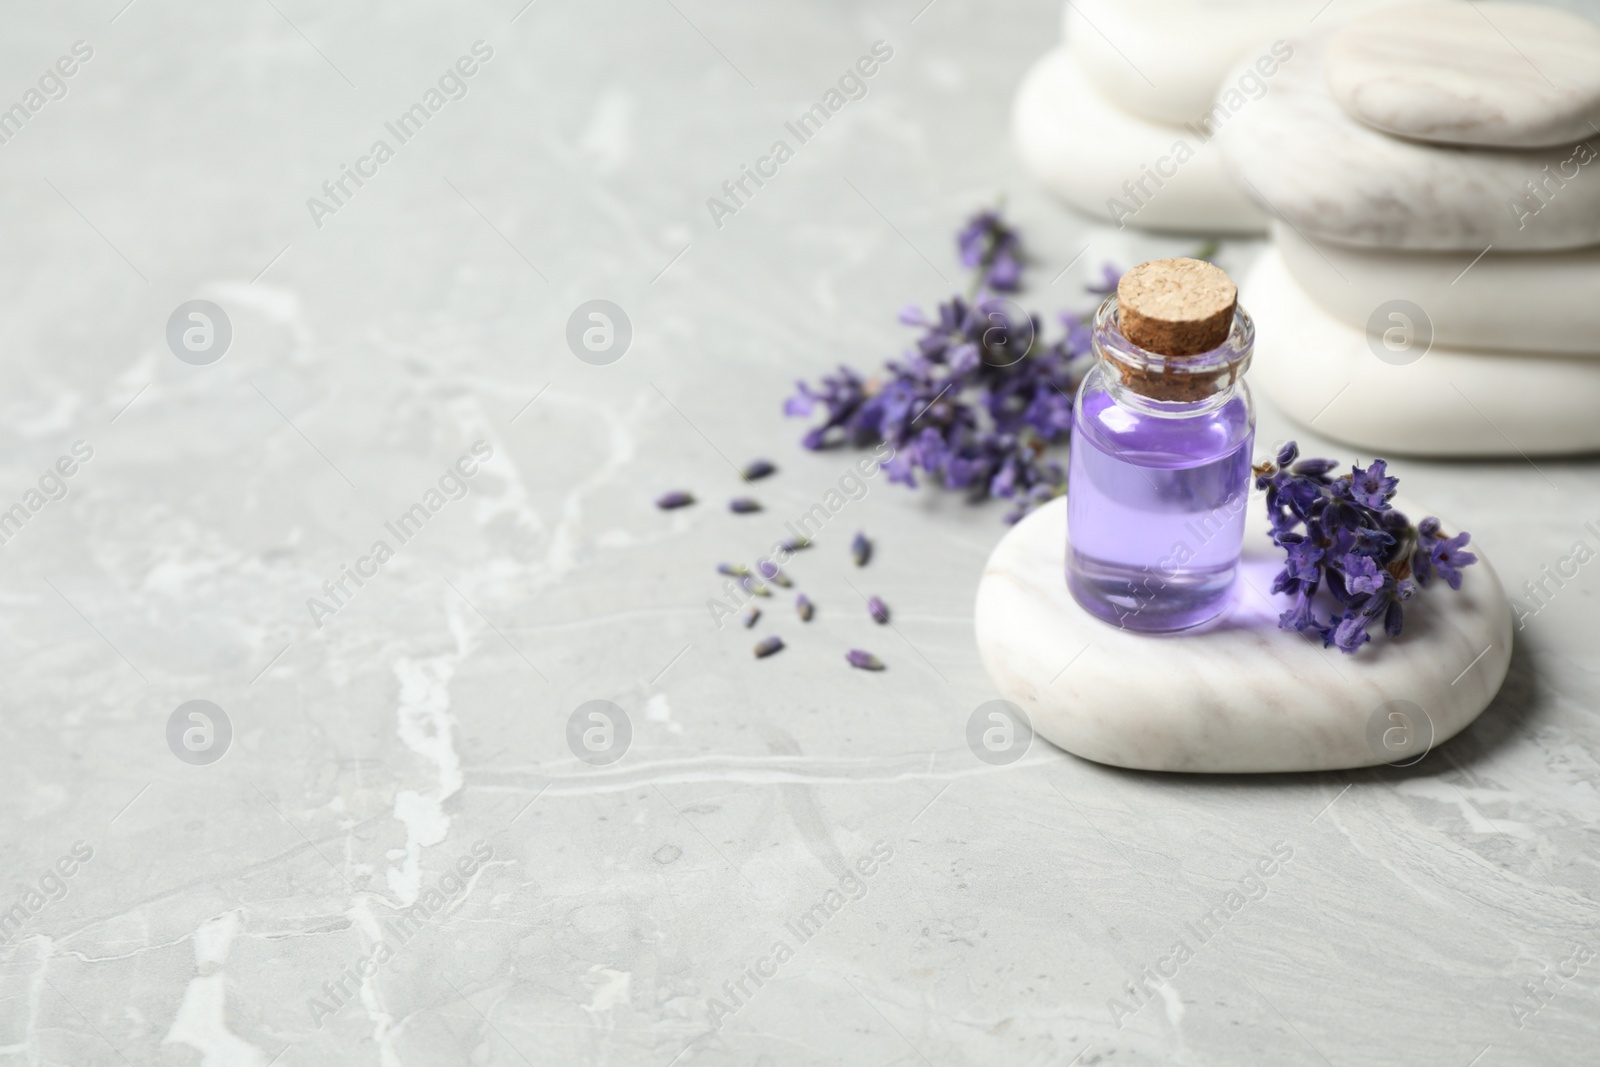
{"points": [[1118, 121], [1434, 287]]}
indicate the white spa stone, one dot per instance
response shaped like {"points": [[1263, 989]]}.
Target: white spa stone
{"points": [[1519, 301], [1323, 373], [1165, 59], [1303, 159], [1240, 695], [1508, 75], [1087, 152]]}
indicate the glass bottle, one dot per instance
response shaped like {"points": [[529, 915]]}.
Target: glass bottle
{"points": [[1159, 479]]}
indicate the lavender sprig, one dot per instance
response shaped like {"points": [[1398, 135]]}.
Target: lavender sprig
{"points": [[978, 399], [1341, 533]]}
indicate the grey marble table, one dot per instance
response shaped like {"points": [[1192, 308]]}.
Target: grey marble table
{"points": [[399, 857]]}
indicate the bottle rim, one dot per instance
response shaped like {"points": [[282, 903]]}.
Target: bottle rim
{"points": [[1228, 359]]}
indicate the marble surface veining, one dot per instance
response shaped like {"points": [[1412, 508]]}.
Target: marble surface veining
{"points": [[399, 829]]}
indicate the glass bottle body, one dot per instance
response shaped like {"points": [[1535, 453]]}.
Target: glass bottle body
{"points": [[1157, 489]]}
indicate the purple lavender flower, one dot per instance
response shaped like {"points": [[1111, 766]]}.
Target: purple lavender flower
{"points": [[1371, 487], [749, 615], [878, 610], [1342, 537], [675, 499], [1362, 576], [757, 469], [993, 249], [1350, 632], [768, 645], [1305, 558], [865, 661], [1447, 555], [743, 505], [804, 608], [733, 570], [1299, 616]]}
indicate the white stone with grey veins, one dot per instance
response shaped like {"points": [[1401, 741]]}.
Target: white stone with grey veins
{"points": [[1299, 156], [1502, 75], [369, 755], [1239, 695], [1326, 374], [1509, 303], [1091, 153]]}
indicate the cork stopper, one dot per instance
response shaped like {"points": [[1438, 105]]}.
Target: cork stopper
{"points": [[1176, 307]]}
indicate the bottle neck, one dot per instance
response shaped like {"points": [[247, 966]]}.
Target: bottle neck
{"points": [[1170, 386]]}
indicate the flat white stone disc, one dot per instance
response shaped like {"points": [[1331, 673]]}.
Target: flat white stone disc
{"points": [[1083, 149], [1517, 302], [1164, 60], [1298, 154], [1443, 401], [1498, 74], [1241, 695]]}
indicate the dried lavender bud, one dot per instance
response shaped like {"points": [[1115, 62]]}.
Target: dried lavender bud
{"points": [[749, 615], [675, 499], [878, 610], [861, 550], [795, 544], [758, 468], [733, 570], [743, 505], [770, 571], [865, 661], [804, 608], [757, 588], [768, 645]]}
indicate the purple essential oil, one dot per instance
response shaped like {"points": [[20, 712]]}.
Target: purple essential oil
{"points": [[1159, 477]]}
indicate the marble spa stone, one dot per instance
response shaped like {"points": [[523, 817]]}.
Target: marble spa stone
{"points": [[1516, 302], [1506, 75], [1164, 60], [1093, 155], [1240, 695], [1298, 154], [1328, 375]]}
